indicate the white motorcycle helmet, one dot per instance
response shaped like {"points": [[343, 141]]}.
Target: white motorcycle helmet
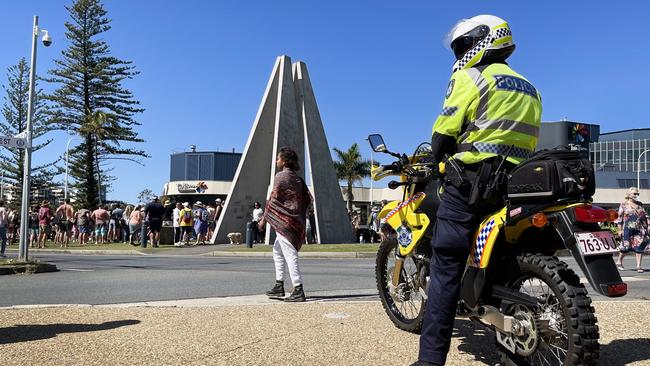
{"points": [[481, 38]]}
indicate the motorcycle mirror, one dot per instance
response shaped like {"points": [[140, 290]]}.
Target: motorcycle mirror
{"points": [[377, 143]]}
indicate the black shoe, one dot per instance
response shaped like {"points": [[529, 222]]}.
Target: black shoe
{"points": [[297, 295], [277, 290], [423, 363]]}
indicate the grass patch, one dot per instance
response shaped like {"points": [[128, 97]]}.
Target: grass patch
{"points": [[15, 266], [367, 248]]}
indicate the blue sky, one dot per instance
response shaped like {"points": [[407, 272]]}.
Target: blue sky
{"points": [[376, 66]]}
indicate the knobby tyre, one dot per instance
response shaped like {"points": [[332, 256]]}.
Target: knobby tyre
{"points": [[573, 330], [407, 311]]}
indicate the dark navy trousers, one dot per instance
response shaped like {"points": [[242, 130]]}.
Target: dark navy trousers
{"points": [[452, 236]]}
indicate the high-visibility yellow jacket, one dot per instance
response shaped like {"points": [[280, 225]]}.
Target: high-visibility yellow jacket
{"points": [[487, 110]]}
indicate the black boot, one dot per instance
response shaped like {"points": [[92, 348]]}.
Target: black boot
{"points": [[277, 290], [297, 295]]}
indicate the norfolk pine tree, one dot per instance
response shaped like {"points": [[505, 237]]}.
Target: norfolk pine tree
{"points": [[89, 81], [14, 111]]}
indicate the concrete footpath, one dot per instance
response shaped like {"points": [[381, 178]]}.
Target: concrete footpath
{"points": [[252, 330]]}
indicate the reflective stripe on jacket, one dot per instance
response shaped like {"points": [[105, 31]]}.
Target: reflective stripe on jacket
{"points": [[491, 110]]}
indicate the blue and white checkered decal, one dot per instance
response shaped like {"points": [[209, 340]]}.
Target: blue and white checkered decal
{"points": [[499, 149], [483, 235], [448, 111]]}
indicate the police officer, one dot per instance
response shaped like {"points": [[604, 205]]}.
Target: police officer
{"points": [[490, 119]]}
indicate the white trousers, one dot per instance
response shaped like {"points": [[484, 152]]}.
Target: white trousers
{"points": [[285, 253]]}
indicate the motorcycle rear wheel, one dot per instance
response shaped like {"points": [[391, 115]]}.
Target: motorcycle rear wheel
{"points": [[572, 337], [407, 314]]}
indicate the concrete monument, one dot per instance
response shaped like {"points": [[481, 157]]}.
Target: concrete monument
{"points": [[288, 116], [332, 221]]}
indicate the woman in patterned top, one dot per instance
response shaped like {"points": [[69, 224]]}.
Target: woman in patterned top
{"points": [[286, 212], [632, 228]]}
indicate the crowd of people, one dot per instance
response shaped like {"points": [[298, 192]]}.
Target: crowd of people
{"points": [[112, 223], [194, 224]]}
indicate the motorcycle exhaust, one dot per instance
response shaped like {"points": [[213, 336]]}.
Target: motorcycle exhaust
{"points": [[492, 316]]}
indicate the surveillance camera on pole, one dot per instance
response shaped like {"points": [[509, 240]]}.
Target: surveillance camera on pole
{"points": [[47, 40]]}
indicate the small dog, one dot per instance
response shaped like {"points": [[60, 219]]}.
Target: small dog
{"points": [[235, 238]]}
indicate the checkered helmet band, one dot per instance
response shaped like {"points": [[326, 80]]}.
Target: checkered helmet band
{"points": [[475, 54]]}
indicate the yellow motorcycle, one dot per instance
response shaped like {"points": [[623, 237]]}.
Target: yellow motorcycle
{"points": [[513, 283]]}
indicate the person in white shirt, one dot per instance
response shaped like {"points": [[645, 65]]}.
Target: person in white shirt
{"points": [[258, 212], [176, 215]]}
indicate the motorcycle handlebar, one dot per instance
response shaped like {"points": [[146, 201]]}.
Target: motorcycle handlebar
{"points": [[393, 167], [394, 184]]}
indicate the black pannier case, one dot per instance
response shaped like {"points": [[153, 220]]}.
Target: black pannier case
{"points": [[549, 175]]}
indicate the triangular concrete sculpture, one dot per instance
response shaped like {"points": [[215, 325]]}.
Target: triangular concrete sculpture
{"points": [[332, 221], [280, 122]]}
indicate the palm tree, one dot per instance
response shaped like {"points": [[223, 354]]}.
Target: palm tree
{"points": [[351, 167], [101, 128]]}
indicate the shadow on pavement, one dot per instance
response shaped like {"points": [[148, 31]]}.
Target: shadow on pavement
{"points": [[480, 343], [625, 351], [33, 332], [476, 341]]}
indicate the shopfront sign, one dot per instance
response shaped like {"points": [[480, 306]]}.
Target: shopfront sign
{"points": [[198, 187]]}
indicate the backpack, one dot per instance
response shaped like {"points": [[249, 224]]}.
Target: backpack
{"points": [[187, 216], [205, 215], [33, 219]]}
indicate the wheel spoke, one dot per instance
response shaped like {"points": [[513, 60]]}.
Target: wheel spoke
{"points": [[556, 345]]}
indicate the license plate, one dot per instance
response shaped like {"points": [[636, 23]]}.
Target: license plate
{"points": [[598, 242]]}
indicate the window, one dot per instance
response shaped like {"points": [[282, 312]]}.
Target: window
{"points": [[206, 167], [627, 183], [192, 167]]}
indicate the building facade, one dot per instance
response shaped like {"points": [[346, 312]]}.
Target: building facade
{"points": [[201, 176]]}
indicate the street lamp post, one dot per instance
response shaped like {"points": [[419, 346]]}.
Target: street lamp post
{"points": [[371, 164], [638, 170], [24, 209], [371, 190]]}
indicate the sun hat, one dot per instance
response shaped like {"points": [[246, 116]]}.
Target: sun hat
{"points": [[218, 200], [186, 204], [198, 203], [167, 202], [45, 203]]}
